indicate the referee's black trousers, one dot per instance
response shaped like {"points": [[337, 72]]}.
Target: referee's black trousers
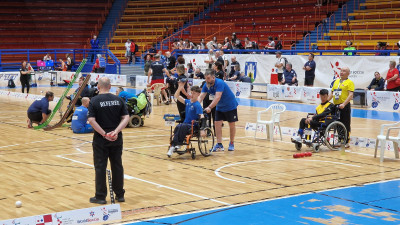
{"points": [[345, 118], [102, 151]]}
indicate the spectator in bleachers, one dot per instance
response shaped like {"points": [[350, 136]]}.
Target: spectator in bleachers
{"points": [[247, 43], [377, 84], [181, 44], [25, 75], [128, 50], [280, 65], [219, 47], [349, 50], [62, 67], [198, 74], [210, 59], [270, 45], [100, 64], [278, 44], [236, 43], [202, 44], [213, 44], [147, 64], [236, 74], [219, 73], [309, 68], [233, 63], [190, 45], [95, 45], [227, 44], [289, 76], [175, 45], [382, 46], [392, 77], [170, 60], [47, 57]]}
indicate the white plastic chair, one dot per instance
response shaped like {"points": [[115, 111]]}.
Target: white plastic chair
{"points": [[383, 138], [275, 110]]}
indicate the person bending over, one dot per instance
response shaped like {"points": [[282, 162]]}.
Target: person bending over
{"points": [[39, 111], [79, 123], [194, 111], [124, 94], [324, 109]]}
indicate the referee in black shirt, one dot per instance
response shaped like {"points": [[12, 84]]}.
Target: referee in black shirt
{"points": [[108, 116]]}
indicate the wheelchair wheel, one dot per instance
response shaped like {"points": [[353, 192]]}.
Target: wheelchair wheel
{"points": [[298, 146], [193, 153], [135, 121], [315, 147], [206, 143], [335, 136]]}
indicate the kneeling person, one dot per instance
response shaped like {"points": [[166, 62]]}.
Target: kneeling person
{"points": [[79, 123], [39, 111], [324, 109], [194, 111]]}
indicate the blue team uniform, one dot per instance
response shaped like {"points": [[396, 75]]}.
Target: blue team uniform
{"points": [[125, 95], [79, 123], [228, 101]]}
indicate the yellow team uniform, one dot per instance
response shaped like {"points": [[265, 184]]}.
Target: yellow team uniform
{"points": [[341, 90]]}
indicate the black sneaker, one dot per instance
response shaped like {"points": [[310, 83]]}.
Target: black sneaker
{"points": [[97, 201], [120, 199]]}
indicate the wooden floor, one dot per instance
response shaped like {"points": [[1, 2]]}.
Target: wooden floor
{"points": [[51, 171]]}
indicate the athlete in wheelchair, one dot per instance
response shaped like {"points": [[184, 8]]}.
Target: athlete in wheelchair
{"points": [[327, 129], [138, 106], [192, 129]]}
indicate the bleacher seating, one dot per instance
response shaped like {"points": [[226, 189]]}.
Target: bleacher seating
{"points": [[146, 22], [47, 24], [375, 21]]}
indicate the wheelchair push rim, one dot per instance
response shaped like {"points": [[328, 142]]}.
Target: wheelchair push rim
{"points": [[336, 136], [206, 143]]}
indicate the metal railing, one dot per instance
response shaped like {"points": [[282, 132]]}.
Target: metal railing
{"points": [[32, 55]]}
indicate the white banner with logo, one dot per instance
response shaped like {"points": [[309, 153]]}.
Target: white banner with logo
{"points": [[240, 89], [99, 214], [383, 100], [25, 96], [260, 67], [116, 79]]}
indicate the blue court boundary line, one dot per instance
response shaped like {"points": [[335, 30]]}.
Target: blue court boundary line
{"points": [[225, 208]]}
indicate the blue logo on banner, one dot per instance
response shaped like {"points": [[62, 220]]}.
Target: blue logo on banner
{"points": [[251, 70]]}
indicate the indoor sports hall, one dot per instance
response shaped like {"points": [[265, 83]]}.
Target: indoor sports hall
{"points": [[47, 172]]}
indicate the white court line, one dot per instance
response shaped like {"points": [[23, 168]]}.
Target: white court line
{"points": [[9, 146], [271, 160], [79, 150], [150, 182]]}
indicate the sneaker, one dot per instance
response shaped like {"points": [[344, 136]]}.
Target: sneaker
{"points": [[296, 139], [170, 151], [347, 145], [218, 147], [167, 102], [231, 147], [97, 201]]}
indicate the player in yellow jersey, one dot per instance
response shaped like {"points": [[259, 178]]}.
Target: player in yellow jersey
{"points": [[342, 94], [315, 120]]}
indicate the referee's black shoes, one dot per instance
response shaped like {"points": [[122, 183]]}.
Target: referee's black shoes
{"points": [[120, 199], [97, 201]]}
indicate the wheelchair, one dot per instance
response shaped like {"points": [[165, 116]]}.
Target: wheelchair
{"points": [[331, 133], [137, 114], [205, 144]]}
